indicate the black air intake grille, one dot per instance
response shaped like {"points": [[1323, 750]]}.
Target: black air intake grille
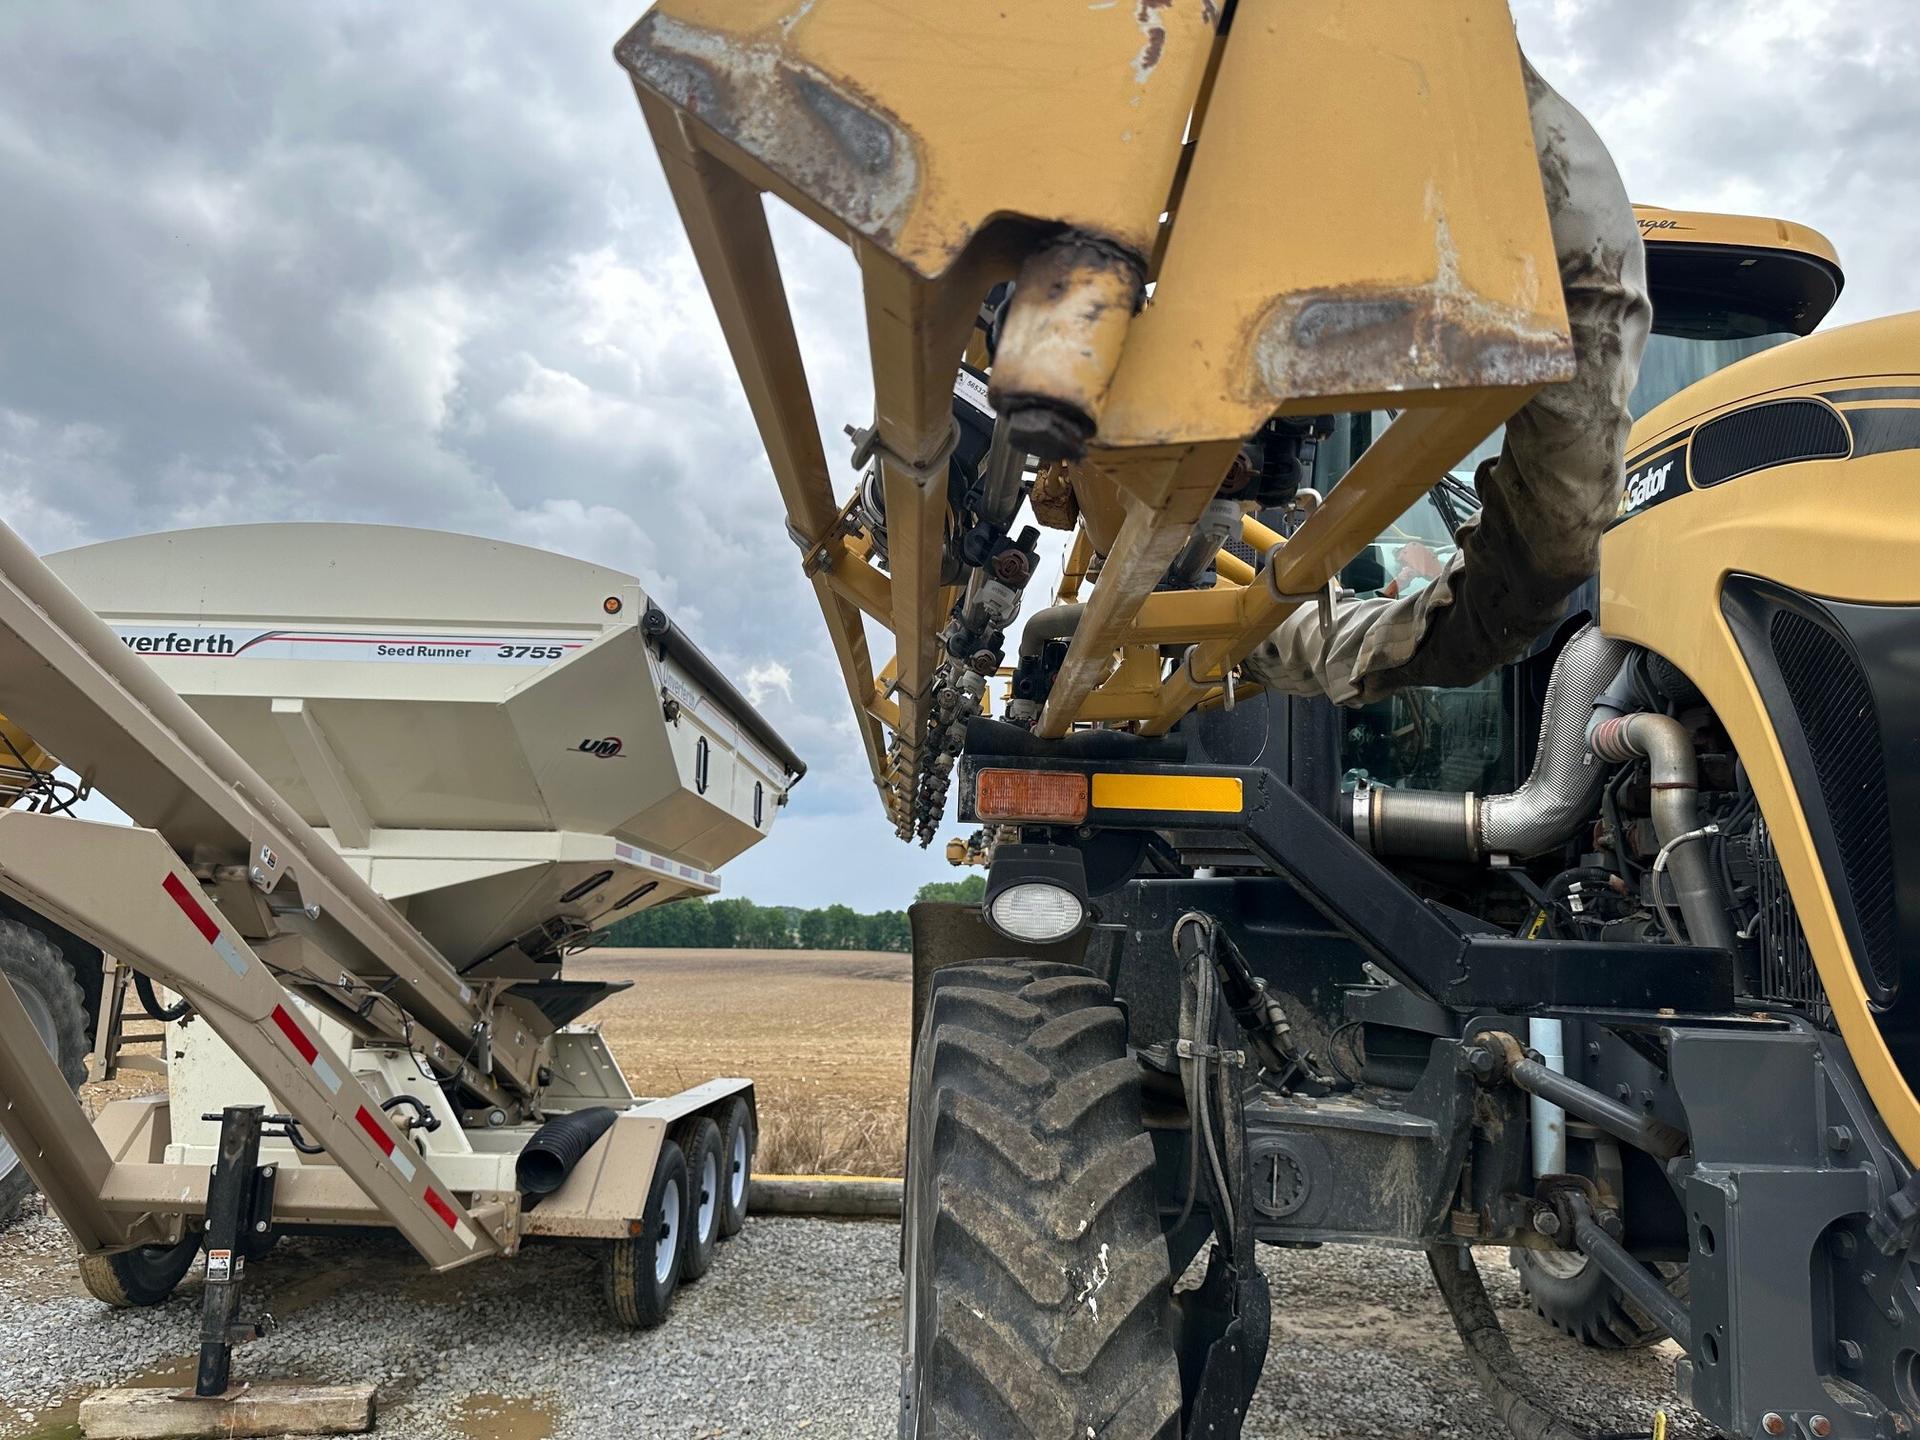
{"points": [[1835, 706], [1782, 433], [1787, 972]]}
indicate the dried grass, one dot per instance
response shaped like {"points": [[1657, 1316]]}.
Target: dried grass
{"points": [[831, 1137]]}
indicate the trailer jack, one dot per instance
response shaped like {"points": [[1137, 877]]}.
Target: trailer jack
{"points": [[239, 1221], [239, 1208]]}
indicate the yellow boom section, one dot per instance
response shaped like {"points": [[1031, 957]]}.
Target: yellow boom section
{"points": [[22, 762], [1328, 207]]}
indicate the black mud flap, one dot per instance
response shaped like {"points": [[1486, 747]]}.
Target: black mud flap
{"points": [[1225, 1324]]}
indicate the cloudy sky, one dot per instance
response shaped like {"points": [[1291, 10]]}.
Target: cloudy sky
{"points": [[416, 264]]}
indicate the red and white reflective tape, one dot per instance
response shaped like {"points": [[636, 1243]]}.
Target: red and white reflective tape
{"points": [[400, 1154], [389, 1147], [209, 930], [307, 1049], [397, 1152]]}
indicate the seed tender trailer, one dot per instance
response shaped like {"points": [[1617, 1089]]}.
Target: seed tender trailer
{"points": [[382, 783]]}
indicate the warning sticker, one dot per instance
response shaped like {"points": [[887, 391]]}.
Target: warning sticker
{"points": [[220, 1265]]}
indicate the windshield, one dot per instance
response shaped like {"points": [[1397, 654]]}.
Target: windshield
{"points": [[1462, 739], [1671, 364]]}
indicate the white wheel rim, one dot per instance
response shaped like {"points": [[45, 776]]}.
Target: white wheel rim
{"points": [[668, 1245], [709, 1195], [737, 1181], [36, 1007]]}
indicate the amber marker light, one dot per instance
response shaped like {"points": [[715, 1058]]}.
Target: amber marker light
{"points": [[1056, 796]]}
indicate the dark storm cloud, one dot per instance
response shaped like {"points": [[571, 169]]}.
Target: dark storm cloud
{"points": [[417, 264]]}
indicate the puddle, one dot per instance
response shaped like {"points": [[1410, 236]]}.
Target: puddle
{"points": [[62, 1421], [56, 1429], [496, 1417]]}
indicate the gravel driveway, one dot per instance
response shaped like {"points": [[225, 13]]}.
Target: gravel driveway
{"points": [[792, 1333]]}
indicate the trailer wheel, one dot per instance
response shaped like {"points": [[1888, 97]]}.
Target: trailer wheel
{"points": [[1038, 1279], [44, 981], [643, 1271], [146, 1276], [699, 1140], [738, 1140], [1573, 1295]]}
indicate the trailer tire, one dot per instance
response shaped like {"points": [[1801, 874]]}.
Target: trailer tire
{"points": [[1573, 1295], [739, 1137], [132, 1278], [45, 983], [699, 1140], [1038, 1279], [642, 1273]]}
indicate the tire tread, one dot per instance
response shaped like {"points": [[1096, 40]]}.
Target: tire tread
{"points": [[1044, 1268]]}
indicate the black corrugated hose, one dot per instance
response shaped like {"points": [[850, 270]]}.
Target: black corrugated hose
{"points": [[556, 1147]]}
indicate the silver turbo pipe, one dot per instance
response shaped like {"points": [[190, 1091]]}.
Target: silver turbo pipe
{"points": [[1543, 812], [1668, 749]]}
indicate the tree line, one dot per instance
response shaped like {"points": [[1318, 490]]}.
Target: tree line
{"points": [[743, 925]]}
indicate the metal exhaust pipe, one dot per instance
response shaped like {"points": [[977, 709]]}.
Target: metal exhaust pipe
{"points": [[1543, 812]]}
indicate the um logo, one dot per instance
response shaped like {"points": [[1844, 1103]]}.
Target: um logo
{"points": [[603, 749]]}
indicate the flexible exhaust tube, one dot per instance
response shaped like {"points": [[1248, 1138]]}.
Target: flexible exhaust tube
{"points": [[556, 1147], [1543, 812], [1664, 743]]}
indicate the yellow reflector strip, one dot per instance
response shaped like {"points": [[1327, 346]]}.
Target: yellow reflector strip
{"points": [[1218, 794]]}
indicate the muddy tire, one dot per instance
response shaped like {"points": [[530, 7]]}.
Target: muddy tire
{"points": [[1571, 1294], [738, 1139], [147, 1276], [1037, 1274], [640, 1274], [44, 981], [699, 1141]]}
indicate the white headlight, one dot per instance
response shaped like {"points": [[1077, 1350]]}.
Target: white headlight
{"points": [[1036, 912]]}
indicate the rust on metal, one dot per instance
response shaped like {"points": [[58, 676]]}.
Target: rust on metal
{"points": [[1072, 303], [1377, 339], [1052, 497], [819, 133], [1154, 34]]}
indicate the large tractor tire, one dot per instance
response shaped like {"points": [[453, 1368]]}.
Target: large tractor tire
{"points": [[1038, 1284], [44, 981], [1571, 1294]]}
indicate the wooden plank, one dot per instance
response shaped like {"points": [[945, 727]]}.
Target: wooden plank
{"points": [[267, 1409], [853, 1195]]}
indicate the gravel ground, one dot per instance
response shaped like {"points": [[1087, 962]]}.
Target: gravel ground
{"points": [[792, 1333]]}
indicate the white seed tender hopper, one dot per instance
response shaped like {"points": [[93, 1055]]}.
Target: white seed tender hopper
{"points": [[515, 748]]}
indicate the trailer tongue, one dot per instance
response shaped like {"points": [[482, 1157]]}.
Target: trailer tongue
{"points": [[382, 782]]}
